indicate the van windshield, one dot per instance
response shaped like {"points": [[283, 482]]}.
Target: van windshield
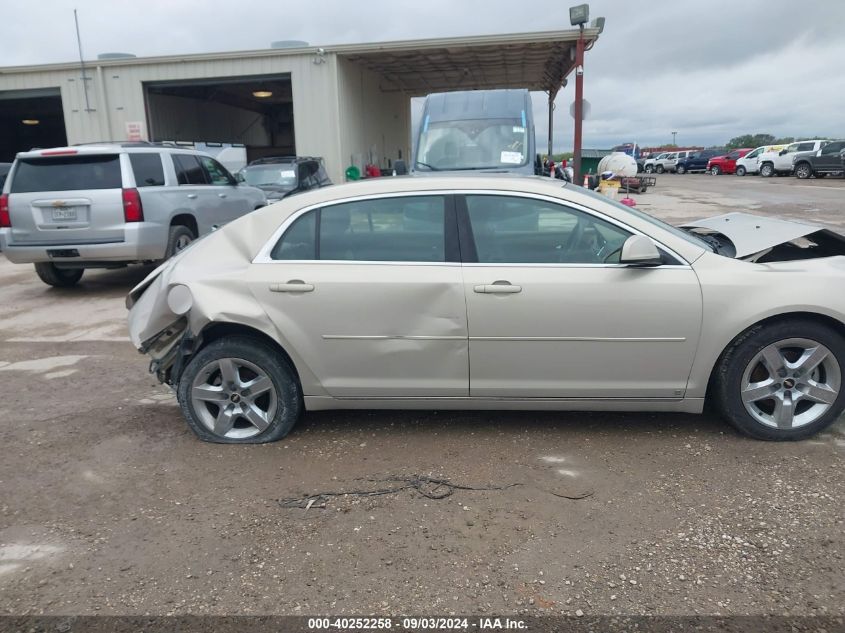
{"points": [[473, 144]]}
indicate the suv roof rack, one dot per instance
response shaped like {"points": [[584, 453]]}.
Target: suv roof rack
{"points": [[279, 159]]}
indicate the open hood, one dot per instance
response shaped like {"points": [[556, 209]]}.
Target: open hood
{"points": [[753, 235]]}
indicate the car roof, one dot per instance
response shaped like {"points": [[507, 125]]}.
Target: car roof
{"points": [[266, 220], [275, 160], [109, 148]]}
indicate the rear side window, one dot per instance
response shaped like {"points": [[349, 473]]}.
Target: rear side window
{"points": [[805, 147], [67, 173], [147, 169], [409, 229], [189, 171]]}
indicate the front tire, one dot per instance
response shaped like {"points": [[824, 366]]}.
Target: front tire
{"points": [[649, 169], [715, 170], [660, 169], [782, 381], [740, 171], [680, 169], [58, 277], [238, 390]]}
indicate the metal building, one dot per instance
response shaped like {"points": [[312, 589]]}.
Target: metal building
{"points": [[349, 104]]}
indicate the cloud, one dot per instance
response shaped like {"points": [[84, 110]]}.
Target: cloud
{"points": [[708, 70]]}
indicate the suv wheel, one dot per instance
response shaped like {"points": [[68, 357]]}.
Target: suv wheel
{"points": [[237, 390], [681, 169], [740, 170], [649, 169], [767, 170], [58, 277], [803, 171], [179, 239], [715, 170], [660, 169], [782, 381]]}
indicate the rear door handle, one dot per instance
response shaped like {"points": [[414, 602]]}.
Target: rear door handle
{"points": [[498, 287], [192, 196], [294, 285], [221, 195]]}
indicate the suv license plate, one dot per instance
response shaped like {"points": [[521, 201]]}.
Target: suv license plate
{"points": [[64, 213]]}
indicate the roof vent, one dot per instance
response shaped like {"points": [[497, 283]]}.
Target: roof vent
{"points": [[115, 56], [288, 44]]}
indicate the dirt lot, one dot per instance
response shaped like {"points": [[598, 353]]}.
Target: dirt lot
{"points": [[108, 504]]}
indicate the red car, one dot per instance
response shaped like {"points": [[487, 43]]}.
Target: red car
{"points": [[725, 164]]}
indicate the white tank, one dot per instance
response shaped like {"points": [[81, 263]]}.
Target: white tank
{"points": [[619, 163]]}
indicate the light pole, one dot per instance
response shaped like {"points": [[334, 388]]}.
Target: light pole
{"points": [[579, 16], [674, 135]]}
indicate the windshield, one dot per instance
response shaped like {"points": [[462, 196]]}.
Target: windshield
{"points": [[473, 144], [674, 230], [283, 176]]}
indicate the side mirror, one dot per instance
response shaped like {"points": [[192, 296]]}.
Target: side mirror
{"points": [[782, 152], [239, 177], [638, 250]]}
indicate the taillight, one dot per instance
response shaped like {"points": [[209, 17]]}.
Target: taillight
{"points": [[133, 211], [5, 216]]}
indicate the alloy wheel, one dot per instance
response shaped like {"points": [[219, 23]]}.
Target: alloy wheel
{"points": [[234, 398], [791, 383], [182, 242]]}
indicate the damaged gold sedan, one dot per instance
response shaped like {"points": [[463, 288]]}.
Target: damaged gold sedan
{"points": [[495, 293]]}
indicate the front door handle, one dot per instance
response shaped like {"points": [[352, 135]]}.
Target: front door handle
{"points": [[499, 287], [192, 196], [221, 195], [294, 285]]}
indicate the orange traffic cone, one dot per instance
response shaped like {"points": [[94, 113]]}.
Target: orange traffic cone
{"points": [[586, 181]]}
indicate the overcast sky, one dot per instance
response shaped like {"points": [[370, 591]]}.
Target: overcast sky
{"points": [[708, 70]]}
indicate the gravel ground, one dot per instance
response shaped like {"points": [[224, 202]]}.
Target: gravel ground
{"points": [[109, 505]]}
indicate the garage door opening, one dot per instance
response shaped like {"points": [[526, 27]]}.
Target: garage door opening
{"points": [[256, 112], [30, 119]]}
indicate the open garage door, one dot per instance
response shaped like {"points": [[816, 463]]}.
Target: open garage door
{"points": [[254, 111], [30, 118]]}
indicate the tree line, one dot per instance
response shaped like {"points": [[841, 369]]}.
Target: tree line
{"points": [[756, 140]]}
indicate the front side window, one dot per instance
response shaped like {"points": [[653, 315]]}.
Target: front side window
{"points": [[733, 156], [147, 169], [473, 144], [402, 229], [529, 231], [217, 174], [755, 153], [189, 171]]}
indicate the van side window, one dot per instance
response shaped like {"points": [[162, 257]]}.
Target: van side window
{"points": [[147, 169], [189, 171]]}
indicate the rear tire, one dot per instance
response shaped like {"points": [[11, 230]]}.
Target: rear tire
{"points": [[58, 277], [744, 370], [180, 238], [223, 400], [740, 171], [680, 169], [767, 170], [649, 169], [803, 171], [660, 169]]}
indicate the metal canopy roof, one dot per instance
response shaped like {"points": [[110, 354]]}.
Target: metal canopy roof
{"points": [[536, 61]]}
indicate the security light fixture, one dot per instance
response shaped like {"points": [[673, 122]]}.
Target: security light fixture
{"points": [[30, 121], [579, 14], [262, 94], [598, 23]]}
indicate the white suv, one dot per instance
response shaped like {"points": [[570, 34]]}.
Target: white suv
{"points": [[777, 163], [109, 205]]}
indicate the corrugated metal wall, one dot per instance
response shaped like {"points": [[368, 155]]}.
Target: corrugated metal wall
{"points": [[116, 95]]}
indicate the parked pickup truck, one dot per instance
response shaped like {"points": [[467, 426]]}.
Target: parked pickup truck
{"points": [[828, 160], [782, 162], [697, 161], [725, 164]]}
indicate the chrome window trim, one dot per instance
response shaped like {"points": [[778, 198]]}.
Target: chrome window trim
{"points": [[263, 256]]}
